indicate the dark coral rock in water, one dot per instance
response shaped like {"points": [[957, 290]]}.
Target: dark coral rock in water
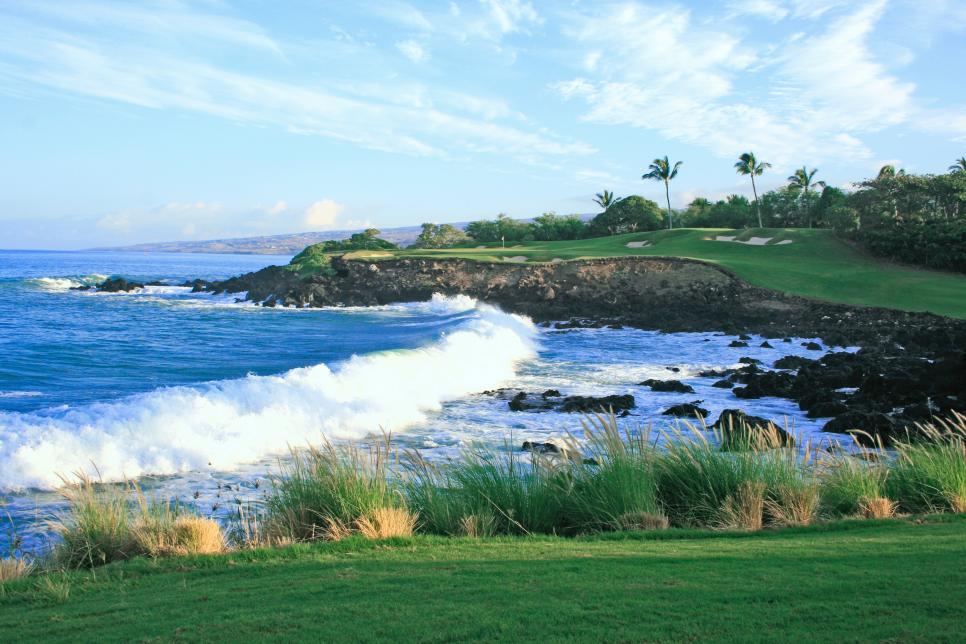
{"points": [[675, 386], [740, 431], [587, 404], [687, 410]]}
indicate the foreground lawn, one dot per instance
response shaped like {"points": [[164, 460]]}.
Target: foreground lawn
{"points": [[816, 264], [863, 580]]}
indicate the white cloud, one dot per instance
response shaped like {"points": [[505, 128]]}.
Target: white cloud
{"points": [[278, 208], [511, 16], [322, 214], [413, 50], [401, 13], [807, 98], [768, 9], [155, 78]]}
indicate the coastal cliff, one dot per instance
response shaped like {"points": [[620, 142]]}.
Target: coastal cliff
{"points": [[668, 294]]}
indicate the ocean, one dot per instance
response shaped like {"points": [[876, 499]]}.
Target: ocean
{"points": [[197, 395]]}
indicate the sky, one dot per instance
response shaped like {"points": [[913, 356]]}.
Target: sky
{"points": [[167, 120]]}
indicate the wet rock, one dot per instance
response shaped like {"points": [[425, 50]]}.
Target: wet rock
{"points": [[675, 386], [737, 343], [812, 346], [550, 446], [866, 427], [792, 362], [827, 409], [768, 383], [118, 285], [766, 345], [747, 360], [740, 431], [715, 373], [587, 404], [687, 410], [550, 393], [723, 384]]}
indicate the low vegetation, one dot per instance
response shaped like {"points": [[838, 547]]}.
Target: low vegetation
{"points": [[648, 491]]}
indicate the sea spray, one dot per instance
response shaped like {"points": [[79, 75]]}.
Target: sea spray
{"points": [[224, 424]]}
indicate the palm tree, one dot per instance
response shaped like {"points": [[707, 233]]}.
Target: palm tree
{"points": [[887, 181], [802, 180], [605, 199], [959, 166], [661, 170], [748, 164], [889, 172]]}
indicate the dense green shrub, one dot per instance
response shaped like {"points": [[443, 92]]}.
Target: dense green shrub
{"points": [[630, 214], [940, 245], [440, 236]]}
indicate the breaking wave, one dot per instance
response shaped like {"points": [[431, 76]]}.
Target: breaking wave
{"points": [[227, 423]]}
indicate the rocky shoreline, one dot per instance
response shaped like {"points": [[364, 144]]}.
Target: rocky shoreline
{"points": [[910, 366]]}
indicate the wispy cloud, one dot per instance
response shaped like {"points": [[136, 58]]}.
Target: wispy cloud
{"points": [[150, 74], [661, 69]]}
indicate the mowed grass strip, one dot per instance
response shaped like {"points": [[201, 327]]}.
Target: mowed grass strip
{"points": [[816, 264], [893, 580]]}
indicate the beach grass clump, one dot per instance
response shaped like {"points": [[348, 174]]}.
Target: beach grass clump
{"points": [[321, 492], [487, 492], [856, 486], [96, 528], [701, 485], [516, 494], [165, 529], [929, 471], [14, 568], [615, 487]]}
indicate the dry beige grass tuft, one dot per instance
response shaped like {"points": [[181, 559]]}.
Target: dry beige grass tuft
{"points": [[743, 510], [13, 569], [877, 507], [794, 505], [383, 523]]}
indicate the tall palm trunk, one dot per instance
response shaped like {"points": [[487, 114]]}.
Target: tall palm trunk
{"points": [[667, 195], [757, 205]]}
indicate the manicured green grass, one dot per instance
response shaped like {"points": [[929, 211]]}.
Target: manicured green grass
{"points": [[816, 264], [846, 581]]}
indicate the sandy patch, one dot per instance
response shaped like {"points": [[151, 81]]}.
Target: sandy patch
{"points": [[555, 260], [516, 258], [481, 246], [753, 241], [638, 244]]}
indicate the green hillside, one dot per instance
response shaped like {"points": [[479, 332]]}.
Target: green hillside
{"points": [[815, 264], [846, 581]]}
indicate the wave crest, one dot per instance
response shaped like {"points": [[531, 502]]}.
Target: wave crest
{"points": [[224, 424]]}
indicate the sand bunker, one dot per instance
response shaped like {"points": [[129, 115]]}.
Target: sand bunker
{"points": [[753, 241], [638, 244], [516, 258]]}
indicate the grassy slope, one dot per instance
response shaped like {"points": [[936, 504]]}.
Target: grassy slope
{"points": [[894, 580], [816, 264]]}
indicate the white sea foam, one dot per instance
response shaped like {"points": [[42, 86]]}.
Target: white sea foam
{"points": [[67, 283], [224, 424]]}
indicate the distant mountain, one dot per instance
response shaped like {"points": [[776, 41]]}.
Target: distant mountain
{"points": [[289, 244], [269, 245]]}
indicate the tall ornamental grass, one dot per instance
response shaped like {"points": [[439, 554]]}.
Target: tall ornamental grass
{"points": [[111, 522], [615, 487], [929, 471], [702, 485], [856, 484], [324, 492]]}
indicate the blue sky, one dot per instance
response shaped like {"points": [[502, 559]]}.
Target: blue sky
{"points": [[128, 122]]}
